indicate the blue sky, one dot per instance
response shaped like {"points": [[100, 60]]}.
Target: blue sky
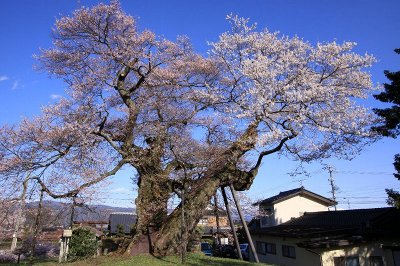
{"points": [[375, 25]]}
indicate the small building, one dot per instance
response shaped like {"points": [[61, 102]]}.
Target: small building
{"points": [[99, 225], [211, 228], [291, 204], [333, 238], [126, 219]]}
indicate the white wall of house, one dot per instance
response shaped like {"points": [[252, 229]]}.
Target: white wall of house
{"points": [[363, 252], [302, 256], [295, 207], [292, 208], [315, 257]]}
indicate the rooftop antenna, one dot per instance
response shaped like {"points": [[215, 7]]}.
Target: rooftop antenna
{"points": [[301, 181]]}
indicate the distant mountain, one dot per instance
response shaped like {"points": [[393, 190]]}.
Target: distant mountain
{"points": [[61, 212]]}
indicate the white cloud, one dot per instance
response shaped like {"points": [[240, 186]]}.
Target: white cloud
{"points": [[3, 78], [55, 96], [15, 85], [120, 190]]}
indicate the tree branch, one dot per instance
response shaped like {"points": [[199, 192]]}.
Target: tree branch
{"points": [[74, 192], [267, 152]]}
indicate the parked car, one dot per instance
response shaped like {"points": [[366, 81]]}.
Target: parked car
{"points": [[244, 249], [206, 248], [225, 251]]}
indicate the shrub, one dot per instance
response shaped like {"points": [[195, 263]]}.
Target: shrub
{"points": [[120, 230], [83, 244], [42, 249], [6, 256], [195, 239], [112, 244]]}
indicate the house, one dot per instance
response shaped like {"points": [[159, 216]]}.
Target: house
{"points": [[209, 224], [291, 204], [126, 219], [332, 238]]}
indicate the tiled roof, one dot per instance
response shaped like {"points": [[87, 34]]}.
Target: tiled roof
{"points": [[338, 218], [379, 221], [124, 218], [294, 192]]}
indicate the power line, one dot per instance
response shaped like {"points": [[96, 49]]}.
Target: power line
{"points": [[364, 173], [364, 196]]}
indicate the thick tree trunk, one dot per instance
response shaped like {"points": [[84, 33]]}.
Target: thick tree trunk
{"points": [[151, 203], [154, 192], [169, 238]]}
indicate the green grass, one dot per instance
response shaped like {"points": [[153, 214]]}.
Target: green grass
{"points": [[193, 259]]}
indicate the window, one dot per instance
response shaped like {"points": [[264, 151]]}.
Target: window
{"points": [[265, 248], [346, 261], [352, 261], [264, 221], [375, 261], [339, 261], [266, 216], [289, 251], [260, 247], [270, 248]]}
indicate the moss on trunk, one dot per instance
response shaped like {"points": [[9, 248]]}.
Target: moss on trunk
{"points": [[169, 237], [154, 190], [151, 203]]}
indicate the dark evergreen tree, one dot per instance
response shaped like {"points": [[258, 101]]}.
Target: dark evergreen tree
{"points": [[83, 244], [391, 125], [120, 230]]}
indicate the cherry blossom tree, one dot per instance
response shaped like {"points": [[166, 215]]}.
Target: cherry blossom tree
{"points": [[186, 122], [283, 95], [41, 152]]}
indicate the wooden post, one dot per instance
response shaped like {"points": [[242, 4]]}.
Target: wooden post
{"points": [[244, 223], [61, 255], [183, 225], [216, 217], [64, 245], [228, 210]]}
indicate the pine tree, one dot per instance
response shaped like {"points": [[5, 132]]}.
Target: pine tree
{"points": [[120, 230], [391, 124]]}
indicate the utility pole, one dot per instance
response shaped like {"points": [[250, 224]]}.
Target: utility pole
{"points": [[334, 188]]}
